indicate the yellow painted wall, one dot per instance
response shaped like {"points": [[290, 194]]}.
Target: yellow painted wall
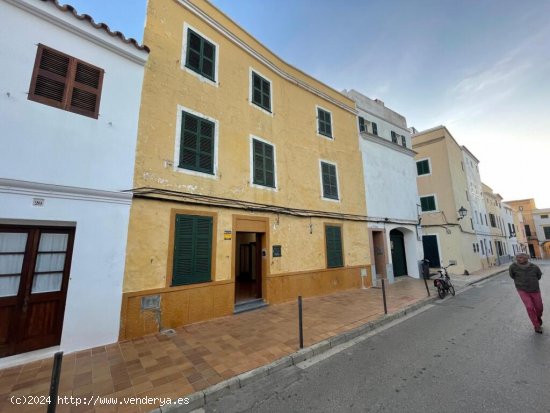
{"points": [[303, 249], [300, 271], [292, 129], [449, 183]]}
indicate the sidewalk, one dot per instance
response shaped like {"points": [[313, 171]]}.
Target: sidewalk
{"points": [[201, 355]]}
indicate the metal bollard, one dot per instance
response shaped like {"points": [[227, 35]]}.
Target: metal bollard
{"points": [[54, 385], [300, 324], [384, 296], [427, 288]]}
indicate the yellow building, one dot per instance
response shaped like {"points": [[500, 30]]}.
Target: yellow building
{"points": [[248, 182], [446, 235], [519, 228], [526, 207]]}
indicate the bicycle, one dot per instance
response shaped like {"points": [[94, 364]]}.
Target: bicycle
{"points": [[443, 283]]}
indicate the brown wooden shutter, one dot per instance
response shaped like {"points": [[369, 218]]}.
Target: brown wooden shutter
{"points": [[86, 89], [50, 77], [67, 83]]}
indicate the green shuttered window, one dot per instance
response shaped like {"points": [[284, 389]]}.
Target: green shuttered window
{"points": [[261, 92], [427, 203], [330, 182], [333, 236], [197, 144], [192, 249], [362, 124], [374, 129], [324, 122], [423, 167], [264, 163], [201, 55]]}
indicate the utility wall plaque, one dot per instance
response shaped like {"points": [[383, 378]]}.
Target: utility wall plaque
{"points": [[38, 202], [227, 235], [277, 251]]}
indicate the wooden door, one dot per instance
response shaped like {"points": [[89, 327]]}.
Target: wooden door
{"points": [[34, 276], [398, 253], [431, 251]]}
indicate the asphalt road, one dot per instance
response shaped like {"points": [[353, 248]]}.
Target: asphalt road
{"points": [[475, 352]]}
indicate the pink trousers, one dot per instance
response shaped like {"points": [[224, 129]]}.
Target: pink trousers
{"points": [[533, 305]]}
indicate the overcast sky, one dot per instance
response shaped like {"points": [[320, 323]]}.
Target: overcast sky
{"points": [[479, 67]]}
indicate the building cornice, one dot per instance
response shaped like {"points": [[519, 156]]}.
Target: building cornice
{"points": [[37, 189], [139, 57], [384, 142], [434, 140], [261, 58]]}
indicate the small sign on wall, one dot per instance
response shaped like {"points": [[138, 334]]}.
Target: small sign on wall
{"points": [[277, 251], [227, 235], [38, 202]]}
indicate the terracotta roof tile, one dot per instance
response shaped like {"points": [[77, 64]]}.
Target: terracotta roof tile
{"points": [[100, 26]]}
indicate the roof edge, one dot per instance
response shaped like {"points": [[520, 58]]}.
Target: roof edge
{"points": [[67, 8]]}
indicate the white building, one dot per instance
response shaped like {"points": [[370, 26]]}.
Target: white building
{"points": [[541, 218], [478, 213], [389, 171], [507, 214], [69, 101]]}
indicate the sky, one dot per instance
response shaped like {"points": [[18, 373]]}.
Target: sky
{"points": [[479, 67]]}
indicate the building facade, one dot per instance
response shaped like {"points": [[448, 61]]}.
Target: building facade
{"points": [[69, 110], [447, 234], [541, 221], [507, 214], [527, 207], [389, 171], [498, 245], [248, 187], [478, 213]]}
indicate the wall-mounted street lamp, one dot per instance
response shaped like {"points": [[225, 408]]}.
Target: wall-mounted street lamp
{"points": [[462, 213]]}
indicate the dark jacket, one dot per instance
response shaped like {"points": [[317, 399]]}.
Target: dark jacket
{"points": [[526, 277]]}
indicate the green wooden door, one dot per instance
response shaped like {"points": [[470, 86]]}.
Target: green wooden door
{"points": [[398, 253]]}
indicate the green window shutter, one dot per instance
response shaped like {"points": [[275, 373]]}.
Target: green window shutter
{"points": [[427, 203], [333, 236], [423, 167], [330, 183], [374, 129], [324, 122], [264, 163], [197, 144], [192, 249], [361, 124], [201, 55], [393, 137], [547, 232], [261, 92]]}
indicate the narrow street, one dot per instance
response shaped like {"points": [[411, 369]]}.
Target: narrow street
{"points": [[476, 352]]}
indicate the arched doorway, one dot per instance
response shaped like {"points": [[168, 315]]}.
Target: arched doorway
{"points": [[397, 243]]}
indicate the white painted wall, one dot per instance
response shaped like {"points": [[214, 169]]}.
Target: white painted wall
{"points": [[389, 172], [540, 223], [92, 312], [477, 210], [45, 144], [390, 182], [75, 163]]}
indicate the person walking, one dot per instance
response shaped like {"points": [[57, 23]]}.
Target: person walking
{"points": [[526, 277]]}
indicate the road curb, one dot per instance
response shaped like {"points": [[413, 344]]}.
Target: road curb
{"points": [[487, 277], [199, 399]]}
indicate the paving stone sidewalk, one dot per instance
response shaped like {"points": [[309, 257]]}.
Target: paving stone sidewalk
{"points": [[204, 354]]}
